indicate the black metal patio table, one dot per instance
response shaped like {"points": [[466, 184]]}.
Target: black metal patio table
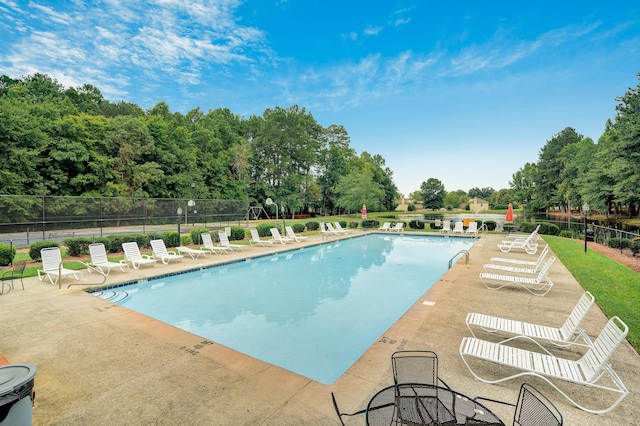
{"points": [[416, 404]]}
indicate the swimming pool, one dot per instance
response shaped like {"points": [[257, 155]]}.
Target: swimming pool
{"points": [[313, 311]]}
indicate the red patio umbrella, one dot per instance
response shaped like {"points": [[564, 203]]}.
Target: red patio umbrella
{"points": [[509, 217], [364, 211]]}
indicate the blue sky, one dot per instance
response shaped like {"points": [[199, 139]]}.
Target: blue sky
{"points": [[464, 92]]}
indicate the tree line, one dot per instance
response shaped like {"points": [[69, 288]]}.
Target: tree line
{"points": [[572, 170], [74, 142]]}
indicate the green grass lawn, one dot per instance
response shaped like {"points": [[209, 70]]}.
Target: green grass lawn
{"points": [[615, 287]]}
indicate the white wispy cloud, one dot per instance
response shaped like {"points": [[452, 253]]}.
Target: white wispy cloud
{"points": [[373, 30], [51, 14], [155, 38]]}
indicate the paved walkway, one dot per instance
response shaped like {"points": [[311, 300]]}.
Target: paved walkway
{"points": [[99, 363]]}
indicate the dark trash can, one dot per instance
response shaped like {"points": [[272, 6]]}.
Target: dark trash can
{"points": [[16, 385], [589, 235]]}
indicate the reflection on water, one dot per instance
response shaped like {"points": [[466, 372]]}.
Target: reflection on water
{"points": [[313, 311]]}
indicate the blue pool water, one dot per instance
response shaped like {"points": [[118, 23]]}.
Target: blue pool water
{"points": [[313, 311]]}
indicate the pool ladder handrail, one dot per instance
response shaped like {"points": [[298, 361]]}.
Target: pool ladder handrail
{"points": [[59, 280], [466, 255]]}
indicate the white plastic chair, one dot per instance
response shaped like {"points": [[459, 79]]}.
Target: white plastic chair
{"points": [[132, 254], [100, 263], [51, 266], [160, 252]]}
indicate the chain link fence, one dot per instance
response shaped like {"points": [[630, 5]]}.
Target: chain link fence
{"points": [[27, 219]]}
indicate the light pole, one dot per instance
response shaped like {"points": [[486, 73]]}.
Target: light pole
{"points": [[179, 212], [269, 202], [585, 211], [191, 203]]}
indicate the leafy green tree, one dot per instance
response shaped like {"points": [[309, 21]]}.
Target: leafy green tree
{"points": [[334, 161], [600, 180], [455, 199], [627, 163], [502, 196], [285, 150], [577, 159], [484, 193], [357, 188], [550, 168], [433, 194], [523, 185], [383, 176]]}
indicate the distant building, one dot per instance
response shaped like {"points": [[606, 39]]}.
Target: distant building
{"points": [[478, 204], [403, 204]]}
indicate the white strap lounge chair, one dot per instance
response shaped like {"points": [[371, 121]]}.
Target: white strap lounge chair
{"points": [[100, 263], [473, 228], [512, 268], [527, 245], [385, 226], [224, 242], [521, 262], [160, 252], [51, 266], [324, 231], [194, 253], [132, 255], [537, 285], [567, 335], [458, 227], [398, 227], [255, 239], [275, 234], [339, 228], [446, 227], [334, 230], [585, 371], [291, 234], [207, 244], [534, 234]]}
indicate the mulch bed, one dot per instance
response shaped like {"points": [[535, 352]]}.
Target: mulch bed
{"points": [[626, 258]]}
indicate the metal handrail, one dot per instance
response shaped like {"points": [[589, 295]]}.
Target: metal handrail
{"points": [[466, 255], [59, 280]]}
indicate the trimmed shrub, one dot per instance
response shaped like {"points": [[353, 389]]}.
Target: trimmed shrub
{"points": [[635, 246], [34, 249], [264, 229], [370, 224], [491, 225], [185, 240], [547, 228], [342, 223], [616, 242], [297, 228], [7, 254], [312, 225], [565, 233], [353, 224], [237, 233], [195, 234], [411, 208], [77, 246], [117, 240], [416, 224], [171, 238]]}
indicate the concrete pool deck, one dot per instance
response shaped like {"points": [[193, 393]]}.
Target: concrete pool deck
{"points": [[99, 363]]}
